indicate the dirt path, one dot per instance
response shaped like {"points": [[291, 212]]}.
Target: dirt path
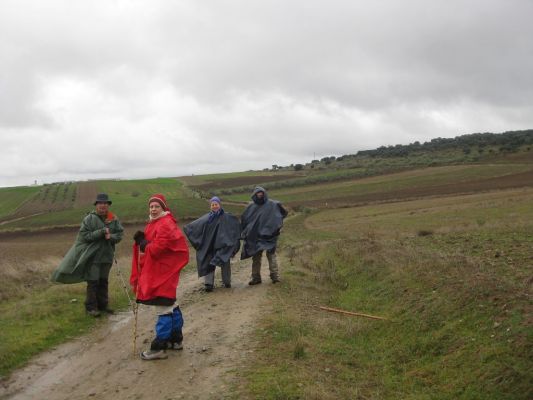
{"points": [[217, 340]]}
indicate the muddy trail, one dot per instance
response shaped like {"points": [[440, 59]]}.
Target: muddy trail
{"points": [[101, 365]]}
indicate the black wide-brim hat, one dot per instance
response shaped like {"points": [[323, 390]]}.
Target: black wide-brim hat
{"points": [[102, 198]]}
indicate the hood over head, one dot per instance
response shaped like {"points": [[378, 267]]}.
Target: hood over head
{"points": [[254, 195]]}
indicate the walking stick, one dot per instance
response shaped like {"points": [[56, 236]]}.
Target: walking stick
{"points": [[136, 306], [130, 302], [119, 273]]}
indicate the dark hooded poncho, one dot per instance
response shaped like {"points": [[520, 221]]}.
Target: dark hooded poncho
{"points": [[261, 223], [215, 241]]}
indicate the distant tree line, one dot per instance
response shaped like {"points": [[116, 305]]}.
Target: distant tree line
{"points": [[505, 142]]}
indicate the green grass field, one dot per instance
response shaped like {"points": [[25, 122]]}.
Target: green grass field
{"points": [[453, 276], [130, 197], [129, 202], [12, 198], [202, 179]]}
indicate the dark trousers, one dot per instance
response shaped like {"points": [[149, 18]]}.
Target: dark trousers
{"points": [[272, 264], [97, 295], [225, 270]]}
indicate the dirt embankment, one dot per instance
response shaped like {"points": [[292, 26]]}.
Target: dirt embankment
{"points": [[217, 340]]}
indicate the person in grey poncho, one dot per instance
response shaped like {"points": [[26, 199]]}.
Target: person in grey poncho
{"points": [[91, 256], [216, 238], [261, 224]]}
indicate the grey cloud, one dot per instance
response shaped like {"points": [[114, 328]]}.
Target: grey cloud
{"points": [[229, 85]]}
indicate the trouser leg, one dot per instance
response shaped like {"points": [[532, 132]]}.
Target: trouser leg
{"points": [[91, 302], [102, 293], [226, 274], [176, 336], [256, 266], [209, 279], [273, 264], [168, 330]]}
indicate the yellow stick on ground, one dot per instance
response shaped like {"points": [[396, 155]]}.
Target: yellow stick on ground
{"points": [[351, 313]]}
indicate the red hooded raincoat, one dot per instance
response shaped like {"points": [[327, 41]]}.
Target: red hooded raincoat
{"points": [[155, 273]]}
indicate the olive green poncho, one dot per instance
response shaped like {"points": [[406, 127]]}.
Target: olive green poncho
{"points": [[91, 247]]}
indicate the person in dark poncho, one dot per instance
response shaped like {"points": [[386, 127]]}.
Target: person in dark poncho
{"points": [[216, 238], [261, 224]]}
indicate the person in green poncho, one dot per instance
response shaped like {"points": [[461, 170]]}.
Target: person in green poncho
{"points": [[91, 256]]}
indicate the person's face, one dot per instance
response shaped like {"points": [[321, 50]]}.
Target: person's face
{"points": [[215, 206], [102, 208], [260, 195], [155, 209]]}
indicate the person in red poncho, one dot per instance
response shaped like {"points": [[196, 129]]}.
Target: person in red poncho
{"points": [[159, 254]]}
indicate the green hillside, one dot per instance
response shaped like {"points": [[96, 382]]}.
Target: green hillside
{"points": [[64, 204], [510, 148], [13, 198], [452, 276], [465, 164], [435, 238]]}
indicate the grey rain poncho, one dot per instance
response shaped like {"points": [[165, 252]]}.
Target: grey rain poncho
{"points": [[215, 242], [261, 224]]}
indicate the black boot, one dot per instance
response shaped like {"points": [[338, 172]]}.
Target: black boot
{"points": [[176, 340], [254, 281]]}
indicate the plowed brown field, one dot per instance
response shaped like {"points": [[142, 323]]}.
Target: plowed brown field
{"points": [[86, 193], [523, 179]]}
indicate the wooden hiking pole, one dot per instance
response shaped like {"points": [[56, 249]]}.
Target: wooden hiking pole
{"points": [[135, 305], [124, 286], [351, 313]]}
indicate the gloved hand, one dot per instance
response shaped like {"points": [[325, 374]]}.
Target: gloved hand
{"points": [[143, 243], [138, 237]]}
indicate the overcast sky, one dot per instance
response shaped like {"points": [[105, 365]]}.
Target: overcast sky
{"points": [[93, 89]]}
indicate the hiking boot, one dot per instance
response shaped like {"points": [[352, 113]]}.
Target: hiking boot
{"points": [[154, 355], [93, 313], [208, 288], [275, 279], [254, 281], [175, 346], [227, 285]]}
